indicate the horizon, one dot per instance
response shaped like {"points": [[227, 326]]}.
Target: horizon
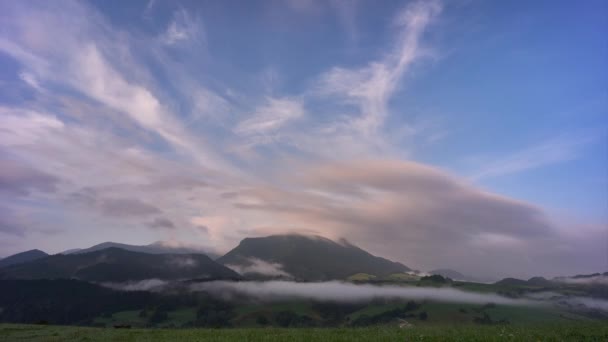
{"points": [[458, 135]]}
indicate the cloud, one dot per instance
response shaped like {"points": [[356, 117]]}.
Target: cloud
{"points": [[98, 62], [101, 82], [147, 13], [599, 279], [272, 115], [586, 302], [258, 266], [19, 179], [421, 216], [547, 153], [24, 127], [161, 223], [345, 292], [184, 28], [126, 207], [182, 261], [117, 207], [141, 285], [11, 223], [370, 87], [354, 101]]}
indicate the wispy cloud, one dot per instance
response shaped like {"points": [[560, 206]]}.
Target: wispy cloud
{"points": [[271, 116], [546, 153], [371, 87], [184, 28]]}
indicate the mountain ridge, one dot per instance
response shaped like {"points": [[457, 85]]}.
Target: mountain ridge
{"points": [[22, 257], [157, 247], [118, 265]]}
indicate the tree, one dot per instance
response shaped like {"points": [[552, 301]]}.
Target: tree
{"points": [[158, 316], [262, 320], [285, 318]]}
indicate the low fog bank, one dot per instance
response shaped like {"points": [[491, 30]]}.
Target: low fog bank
{"points": [[335, 291], [599, 279], [153, 285], [346, 292], [260, 267], [592, 303], [576, 302]]}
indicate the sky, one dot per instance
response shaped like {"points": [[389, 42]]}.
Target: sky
{"points": [[467, 134]]}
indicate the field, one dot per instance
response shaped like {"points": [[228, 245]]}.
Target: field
{"points": [[247, 315], [549, 332]]}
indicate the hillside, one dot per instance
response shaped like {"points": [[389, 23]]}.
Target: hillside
{"points": [[118, 265], [22, 257], [307, 258]]}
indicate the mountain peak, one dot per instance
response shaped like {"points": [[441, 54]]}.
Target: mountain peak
{"points": [[306, 257]]}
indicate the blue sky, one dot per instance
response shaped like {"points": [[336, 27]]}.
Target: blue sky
{"points": [[474, 128]]}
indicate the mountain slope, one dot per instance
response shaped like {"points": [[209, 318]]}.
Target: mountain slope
{"points": [[118, 265], [22, 257], [308, 258], [153, 248]]}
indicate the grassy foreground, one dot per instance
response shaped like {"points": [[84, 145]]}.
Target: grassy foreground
{"points": [[562, 332]]}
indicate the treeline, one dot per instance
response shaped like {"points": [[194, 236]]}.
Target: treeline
{"points": [[402, 312], [63, 301], [74, 302]]}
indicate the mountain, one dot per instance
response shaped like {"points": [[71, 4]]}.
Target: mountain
{"points": [[158, 247], [307, 258], [22, 257], [119, 265]]}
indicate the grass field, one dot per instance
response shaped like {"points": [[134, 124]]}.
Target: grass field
{"points": [[561, 332]]}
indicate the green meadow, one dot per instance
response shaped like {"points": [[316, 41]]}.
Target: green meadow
{"points": [[590, 331]]}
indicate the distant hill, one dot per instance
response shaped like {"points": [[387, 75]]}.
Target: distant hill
{"points": [[593, 275], [308, 258], [448, 273], [539, 281], [154, 248], [512, 282], [119, 265], [534, 281], [22, 257]]}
